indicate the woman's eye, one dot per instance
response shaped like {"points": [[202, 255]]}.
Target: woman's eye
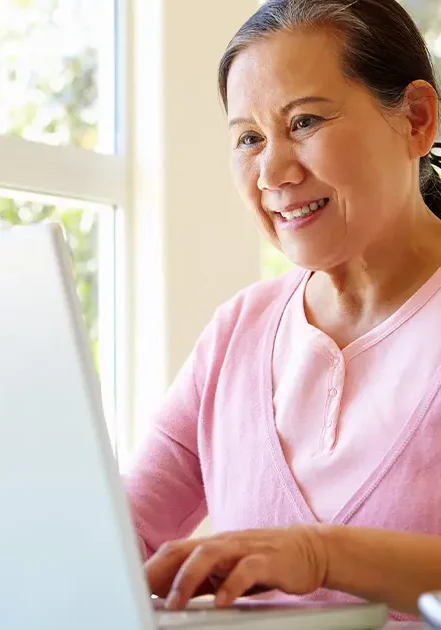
{"points": [[248, 140], [301, 123]]}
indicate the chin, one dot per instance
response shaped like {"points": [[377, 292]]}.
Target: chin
{"points": [[313, 260]]}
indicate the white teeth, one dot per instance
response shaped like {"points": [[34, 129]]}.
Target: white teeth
{"points": [[305, 211], [289, 216]]}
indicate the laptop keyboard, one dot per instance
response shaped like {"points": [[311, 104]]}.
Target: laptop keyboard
{"points": [[195, 617]]}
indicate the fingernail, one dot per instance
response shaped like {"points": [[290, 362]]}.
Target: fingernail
{"points": [[221, 598], [173, 600]]}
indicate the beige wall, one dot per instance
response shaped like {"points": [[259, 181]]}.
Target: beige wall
{"points": [[211, 245], [195, 243]]}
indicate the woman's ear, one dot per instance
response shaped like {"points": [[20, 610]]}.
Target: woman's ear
{"points": [[421, 102]]}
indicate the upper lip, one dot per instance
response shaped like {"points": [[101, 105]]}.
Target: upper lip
{"points": [[298, 204]]}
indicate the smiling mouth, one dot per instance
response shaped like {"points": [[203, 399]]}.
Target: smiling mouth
{"points": [[305, 211]]}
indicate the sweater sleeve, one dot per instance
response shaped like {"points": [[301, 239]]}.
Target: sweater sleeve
{"points": [[164, 487]]}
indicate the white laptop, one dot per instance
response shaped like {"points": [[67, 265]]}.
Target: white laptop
{"points": [[68, 552]]}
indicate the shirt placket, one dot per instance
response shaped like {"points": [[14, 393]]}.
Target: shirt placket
{"points": [[334, 395]]}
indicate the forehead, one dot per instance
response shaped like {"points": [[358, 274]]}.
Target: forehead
{"points": [[286, 65]]}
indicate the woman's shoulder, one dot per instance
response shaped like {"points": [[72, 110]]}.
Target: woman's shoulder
{"points": [[257, 301], [239, 323]]}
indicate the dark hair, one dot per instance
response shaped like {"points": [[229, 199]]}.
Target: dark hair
{"points": [[383, 49]]}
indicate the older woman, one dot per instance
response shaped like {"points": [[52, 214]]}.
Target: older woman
{"points": [[308, 418]]}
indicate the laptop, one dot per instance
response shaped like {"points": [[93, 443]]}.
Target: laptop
{"points": [[68, 553]]}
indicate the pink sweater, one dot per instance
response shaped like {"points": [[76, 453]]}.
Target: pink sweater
{"points": [[338, 413], [214, 445]]}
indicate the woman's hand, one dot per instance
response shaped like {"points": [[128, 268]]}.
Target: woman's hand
{"points": [[291, 559]]}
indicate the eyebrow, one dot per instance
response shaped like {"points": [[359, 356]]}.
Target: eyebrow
{"points": [[285, 109]]}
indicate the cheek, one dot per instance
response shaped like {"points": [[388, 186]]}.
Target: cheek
{"points": [[353, 165], [349, 163], [334, 158], [245, 175]]}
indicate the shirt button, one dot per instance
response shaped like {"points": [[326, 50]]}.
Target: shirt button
{"points": [[336, 361], [333, 392]]}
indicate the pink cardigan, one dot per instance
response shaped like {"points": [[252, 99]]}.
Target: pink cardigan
{"points": [[214, 446]]}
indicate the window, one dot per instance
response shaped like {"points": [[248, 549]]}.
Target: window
{"points": [[58, 131], [89, 230], [56, 81], [427, 15], [105, 109]]}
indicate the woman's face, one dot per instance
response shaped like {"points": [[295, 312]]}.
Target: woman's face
{"points": [[324, 168]]}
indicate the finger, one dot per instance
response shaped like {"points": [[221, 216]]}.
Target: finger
{"points": [[248, 576], [161, 569], [142, 548], [205, 560]]}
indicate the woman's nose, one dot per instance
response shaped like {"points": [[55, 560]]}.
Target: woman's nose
{"points": [[279, 166]]}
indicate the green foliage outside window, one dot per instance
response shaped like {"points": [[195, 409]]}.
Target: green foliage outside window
{"points": [[54, 100]]}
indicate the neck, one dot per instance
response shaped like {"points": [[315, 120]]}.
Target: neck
{"points": [[387, 273]]}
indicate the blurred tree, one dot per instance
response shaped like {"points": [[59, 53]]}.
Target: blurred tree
{"points": [[274, 262], [427, 15]]}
